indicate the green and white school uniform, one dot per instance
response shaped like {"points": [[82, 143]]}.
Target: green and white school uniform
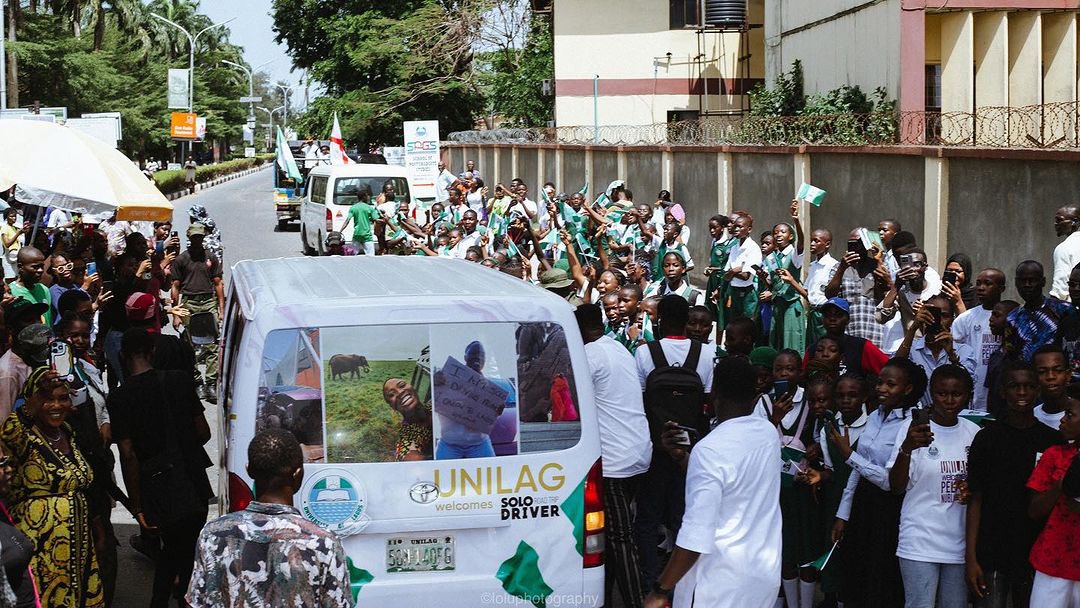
{"points": [[788, 328], [742, 297], [645, 334], [718, 257], [666, 248], [661, 288]]}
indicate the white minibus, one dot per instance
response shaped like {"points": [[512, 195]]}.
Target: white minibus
{"points": [[447, 420]]}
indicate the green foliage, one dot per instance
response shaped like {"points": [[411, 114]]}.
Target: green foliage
{"points": [[122, 67], [843, 116], [173, 180], [512, 78], [360, 426], [382, 62]]}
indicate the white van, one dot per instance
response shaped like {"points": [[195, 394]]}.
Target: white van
{"points": [[332, 189], [447, 418]]}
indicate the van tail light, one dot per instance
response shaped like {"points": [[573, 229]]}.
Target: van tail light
{"points": [[594, 517], [239, 493], [329, 220]]}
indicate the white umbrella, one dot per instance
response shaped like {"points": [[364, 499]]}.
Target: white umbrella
{"points": [[63, 168]]}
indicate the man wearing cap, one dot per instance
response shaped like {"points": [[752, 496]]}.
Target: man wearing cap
{"points": [[170, 352], [29, 350], [857, 355], [197, 286], [31, 265], [558, 282]]}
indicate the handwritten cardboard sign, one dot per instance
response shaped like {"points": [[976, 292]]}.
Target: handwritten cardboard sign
{"points": [[468, 398]]}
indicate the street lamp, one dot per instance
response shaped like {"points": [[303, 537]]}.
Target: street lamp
{"points": [[191, 56], [251, 81], [270, 115], [285, 97]]}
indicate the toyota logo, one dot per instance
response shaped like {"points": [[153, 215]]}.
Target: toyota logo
{"points": [[424, 493]]}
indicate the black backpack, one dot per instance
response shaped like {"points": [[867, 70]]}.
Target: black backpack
{"points": [[675, 393]]}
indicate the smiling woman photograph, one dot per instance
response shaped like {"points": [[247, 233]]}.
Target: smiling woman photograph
{"points": [[47, 494]]}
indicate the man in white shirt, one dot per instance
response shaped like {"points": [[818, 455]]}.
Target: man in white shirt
{"points": [[822, 268], [743, 295], [1067, 253], [972, 328], [915, 282], [728, 549], [443, 182], [625, 448]]}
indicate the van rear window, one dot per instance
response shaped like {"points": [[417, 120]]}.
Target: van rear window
{"points": [[420, 392], [347, 189]]}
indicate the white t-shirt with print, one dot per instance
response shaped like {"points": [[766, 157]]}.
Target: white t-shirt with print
{"points": [[973, 328], [932, 520]]}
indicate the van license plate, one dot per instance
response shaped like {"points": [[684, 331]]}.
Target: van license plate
{"points": [[420, 554]]}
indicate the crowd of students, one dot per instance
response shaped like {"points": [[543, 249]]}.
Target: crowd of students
{"points": [[85, 366], [924, 423]]}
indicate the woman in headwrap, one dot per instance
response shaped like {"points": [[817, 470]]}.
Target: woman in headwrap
{"points": [[960, 263], [47, 494]]}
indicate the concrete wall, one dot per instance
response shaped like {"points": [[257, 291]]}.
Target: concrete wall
{"points": [[763, 184], [626, 44], [865, 188], [1001, 211], [859, 48]]}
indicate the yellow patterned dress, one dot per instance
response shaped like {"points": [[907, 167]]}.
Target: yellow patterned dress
{"points": [[48, 503]]}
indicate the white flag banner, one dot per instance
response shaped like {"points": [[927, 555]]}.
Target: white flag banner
{"points": [[337, 145], [178, 88]]}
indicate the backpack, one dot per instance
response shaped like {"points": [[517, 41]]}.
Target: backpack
{"points": [[675, 393]]}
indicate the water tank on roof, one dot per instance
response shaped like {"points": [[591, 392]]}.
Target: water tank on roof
{"points": [[725, 13]]}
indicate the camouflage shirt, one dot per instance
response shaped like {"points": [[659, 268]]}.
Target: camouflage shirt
{"points": [[268, 556]]}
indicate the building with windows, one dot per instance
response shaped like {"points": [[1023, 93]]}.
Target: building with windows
{"points": [[971, 72], [639, 62]]}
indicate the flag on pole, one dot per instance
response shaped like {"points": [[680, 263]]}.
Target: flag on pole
{"points": [[814, 196], [285, 159], [337, 145], [820, 563]]}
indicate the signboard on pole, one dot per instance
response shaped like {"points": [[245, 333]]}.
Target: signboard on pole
{"points": [[103, 129], [249, 152], [178, 88], [394, 155], [422, 155], [249, 133], [253, 99], [182, 125], [200, 128], [117, 118]]}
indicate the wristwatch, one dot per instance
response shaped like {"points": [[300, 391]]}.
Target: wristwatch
{"points": [[658, 590]]}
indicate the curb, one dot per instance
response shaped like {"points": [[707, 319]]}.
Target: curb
{"points": [[172, 196]]}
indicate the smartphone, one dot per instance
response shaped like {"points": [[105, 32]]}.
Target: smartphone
{"points": [[906, 260], [687, 436], [855, 246], [934, 328], [91, 268], [949, 276], [920, 416], [174, 234], [780, 388], [60, 359]]}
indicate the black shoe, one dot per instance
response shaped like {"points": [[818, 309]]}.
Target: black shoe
{"points": [[202, 392], [211, 392]]}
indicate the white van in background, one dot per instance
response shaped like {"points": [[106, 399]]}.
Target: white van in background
{"points": [[332, 189], [447, 419]]}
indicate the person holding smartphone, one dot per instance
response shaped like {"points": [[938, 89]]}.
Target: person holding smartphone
{"points": [[913, 283], [935, 347], [928, 467]]}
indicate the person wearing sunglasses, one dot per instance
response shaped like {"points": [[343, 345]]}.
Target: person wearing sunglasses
{"points": [[63, 280]]}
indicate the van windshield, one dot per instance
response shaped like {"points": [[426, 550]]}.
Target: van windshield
{"points": [[347, 189], [393, 393]]}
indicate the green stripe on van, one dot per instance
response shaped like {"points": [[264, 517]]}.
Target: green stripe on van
{"points": [[521, 576], [574, 509]]}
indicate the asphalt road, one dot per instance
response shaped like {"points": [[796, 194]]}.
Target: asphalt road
{"points": [[244, 212]]}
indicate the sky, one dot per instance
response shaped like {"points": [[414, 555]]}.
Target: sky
{"points": [[253, 30]]}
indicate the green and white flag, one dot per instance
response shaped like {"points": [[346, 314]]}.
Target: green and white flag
{"points": [[810, 194], [820, 563], [285, 159], [512, 249]]}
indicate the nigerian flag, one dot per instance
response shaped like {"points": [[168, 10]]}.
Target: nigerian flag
{"points": [[512, 249], [521, 576], [285, 159], [820, 563]]}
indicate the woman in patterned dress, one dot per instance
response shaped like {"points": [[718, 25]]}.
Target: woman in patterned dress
{"points": [[47, 495]]}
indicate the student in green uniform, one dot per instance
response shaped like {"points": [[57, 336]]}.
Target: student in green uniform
{"points": [[363, 216], [742, 298], [669, 244], [636, 324], [783, 265], [673, 280], [718, 255]]}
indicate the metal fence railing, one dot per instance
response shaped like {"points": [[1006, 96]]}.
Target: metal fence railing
{"points": [[1048, 126]]}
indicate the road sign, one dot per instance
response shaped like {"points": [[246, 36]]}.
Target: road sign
{"points": [[249, 152], [114, 115], [182, 125], [246, 99]]}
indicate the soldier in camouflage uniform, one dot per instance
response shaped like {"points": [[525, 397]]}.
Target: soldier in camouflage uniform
{"points": [[268, 555]]}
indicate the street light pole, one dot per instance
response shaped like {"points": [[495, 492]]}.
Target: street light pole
{"points": [[285, 98], [270, 115], [191, 57], [251, 81]]}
